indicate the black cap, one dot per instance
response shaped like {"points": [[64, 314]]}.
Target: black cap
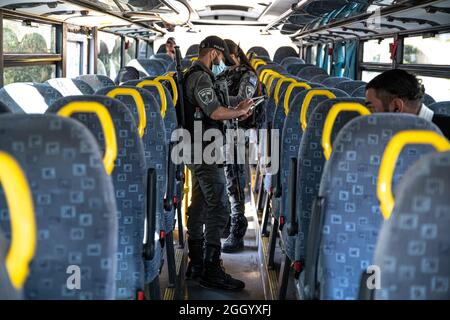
{"points": [[217, 43]]}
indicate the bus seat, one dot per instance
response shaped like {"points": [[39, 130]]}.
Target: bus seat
{"points": [[290, 60], [75, 211], [4, 108], [28, 97], [360, 92], [311, 160], [284, 52], [163, 56], [427, 99], [320, 78], [296, 67], [410, 251], [7, 290], [128, 179], [192, 51], [259, 51], [347, 216], [442, 107], [70, 87], [150, 67], [332, 82], [309, 72], [96, 81], [350, 86]]}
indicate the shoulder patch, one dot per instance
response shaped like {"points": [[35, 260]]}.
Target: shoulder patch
{"points": [[249, 91], [206, 95], [253, 80]]}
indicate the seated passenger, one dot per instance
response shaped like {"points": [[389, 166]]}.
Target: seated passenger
{"points": [[399, 91], [170, 47]]}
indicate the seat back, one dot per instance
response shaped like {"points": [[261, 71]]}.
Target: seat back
{"points": [[360, 92], [4, 108], [75, 211], [96, 81], [350, 86], [351, 210], [192, 51], [311, 160], [442, 107], [128, 174], [309, 72], [428, 100], [320, 78], [163, 56], [283, 52], [28, 97], [7, 290], [70, 87], [289, 60], [260, 51], [150, 67], [411, 250], [332, 82]]}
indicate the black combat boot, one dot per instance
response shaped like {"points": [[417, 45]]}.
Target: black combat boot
{"points": [[214, 275], [195, 265], [226, 230], [235, 241]]}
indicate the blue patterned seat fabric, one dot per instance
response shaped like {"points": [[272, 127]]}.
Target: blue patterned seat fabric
{"points": [[150, 67], [295, 68], [319, 78], [70, 87], [96, 81], [7, 291], [360, 91], [442, 107], [331, 82], [351, 215], [128, 179], [311, 161], [163, 56], [155, 145], [412, 251], [290, 142], [350, 86], [28, 97], [290, 60], [310, 72], [75, 209], [284, 52], [427, 99]]}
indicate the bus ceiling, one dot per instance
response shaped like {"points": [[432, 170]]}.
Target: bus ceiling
{"points": [[305, 21]]}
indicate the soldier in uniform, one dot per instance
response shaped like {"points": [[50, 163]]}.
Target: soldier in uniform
{"points": [[208, 212], [243, 84]]}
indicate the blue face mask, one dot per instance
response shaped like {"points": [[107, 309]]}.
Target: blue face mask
{"points": [[219, 68]]}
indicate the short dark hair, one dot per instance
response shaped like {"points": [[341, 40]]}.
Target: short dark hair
{"points": [[171, 40], [397, 83]]}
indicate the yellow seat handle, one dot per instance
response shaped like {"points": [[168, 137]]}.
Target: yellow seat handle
{"points": [[23, 224], [276, 93], [162, 93], [139, 104], [172, 84], [331, 118], [307, 101], [194, 59], [257, 63], [271, 80], [389, 160], [265, 74], [170, 73], [105, 121], [289, 91]]}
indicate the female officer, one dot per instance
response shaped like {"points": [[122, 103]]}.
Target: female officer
{"points": [[243, 84]]}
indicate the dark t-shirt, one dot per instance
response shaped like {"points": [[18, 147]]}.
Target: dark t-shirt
{"points": [[443, 122]]}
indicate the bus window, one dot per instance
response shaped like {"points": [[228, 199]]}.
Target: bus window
{"points": [[32, 73], [418, 50], [438, 88], [34, 38], [377, 51], [145, 50], [108, 62], [76, 62], [130, 49], [369, 75]]}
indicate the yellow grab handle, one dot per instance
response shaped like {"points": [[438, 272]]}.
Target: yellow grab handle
{"points": [[194, 59], [139, 104], [162, 93], [305, 105], [331, 118], [170, 73], [258, 63], [173, 84], [270, 81], [276, 93], [265, 74], [105, 121], [289, 93], [23, 224], [389, 160]]}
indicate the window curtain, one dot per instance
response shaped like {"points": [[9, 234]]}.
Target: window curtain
{"points": [[337, 69], [351, 56]]}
